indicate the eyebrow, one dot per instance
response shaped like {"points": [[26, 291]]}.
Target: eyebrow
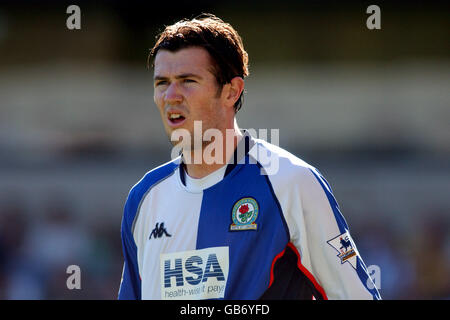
{"points": [[181, 76]]}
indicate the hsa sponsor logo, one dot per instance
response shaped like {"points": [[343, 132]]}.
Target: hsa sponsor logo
{"points": [[195, 274]]}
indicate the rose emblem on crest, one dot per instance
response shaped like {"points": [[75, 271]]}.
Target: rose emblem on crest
{"points": [[244, 213]]}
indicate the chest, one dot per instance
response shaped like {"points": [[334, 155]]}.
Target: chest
{"points": [[189, 243]]}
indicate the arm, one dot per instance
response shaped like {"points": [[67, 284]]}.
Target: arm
{"points": [[327, 250], [130, 285]]}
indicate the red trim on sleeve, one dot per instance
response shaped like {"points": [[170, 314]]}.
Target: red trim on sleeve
{"points": [[305, 272], [278, 256]]}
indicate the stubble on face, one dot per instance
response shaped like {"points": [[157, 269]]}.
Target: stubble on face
{"points": [[201, 104]]}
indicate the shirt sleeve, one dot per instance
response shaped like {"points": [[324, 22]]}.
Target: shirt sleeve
{"points": [[328, 255], [130, 285]]}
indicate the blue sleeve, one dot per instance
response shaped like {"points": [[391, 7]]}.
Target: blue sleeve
{"points": [[130, 285]]}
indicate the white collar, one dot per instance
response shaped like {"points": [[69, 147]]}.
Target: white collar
{"points": [[198, 185]]}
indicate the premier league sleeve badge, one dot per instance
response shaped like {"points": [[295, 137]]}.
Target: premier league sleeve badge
{"points": [[345, 247]]}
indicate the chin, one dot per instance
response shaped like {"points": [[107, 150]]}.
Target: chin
{"points": [[178, 135]]}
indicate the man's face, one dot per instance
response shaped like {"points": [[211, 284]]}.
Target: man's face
{"points": [[186, 90]]}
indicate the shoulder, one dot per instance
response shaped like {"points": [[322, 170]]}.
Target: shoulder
{"points": [[149, 180], [281, 166], [155, 176]]}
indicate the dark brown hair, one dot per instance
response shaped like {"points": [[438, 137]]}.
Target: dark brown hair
{"points": [[223, 43]]}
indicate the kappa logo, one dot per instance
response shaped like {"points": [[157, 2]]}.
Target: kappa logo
{"points": [[195, 274], [159, 231], [344, 245], [244, 214]]}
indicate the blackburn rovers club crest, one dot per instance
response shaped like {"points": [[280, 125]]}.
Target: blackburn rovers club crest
{"points": [[344, 245], [244, 214]]}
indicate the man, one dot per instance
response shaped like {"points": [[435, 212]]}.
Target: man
{"points": [[231, 228]]}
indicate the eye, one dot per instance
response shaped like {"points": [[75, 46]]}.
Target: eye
{"points": [[159, 83], [188, 81]]}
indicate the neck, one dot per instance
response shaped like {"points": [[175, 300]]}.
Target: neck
{"points": [[214, 155]]}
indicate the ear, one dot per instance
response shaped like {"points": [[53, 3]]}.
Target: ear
{"points": [[232, 91]]}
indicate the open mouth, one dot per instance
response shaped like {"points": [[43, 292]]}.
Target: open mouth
{"points": [[175, 119]]}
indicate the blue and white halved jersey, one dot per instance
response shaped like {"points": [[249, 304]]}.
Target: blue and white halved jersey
{"points": [[265, 226]]}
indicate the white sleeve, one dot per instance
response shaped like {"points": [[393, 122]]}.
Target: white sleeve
{"points": [[327, 249], [320, 234]]}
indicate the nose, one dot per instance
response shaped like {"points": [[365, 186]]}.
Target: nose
{"points": [[172, 96]]}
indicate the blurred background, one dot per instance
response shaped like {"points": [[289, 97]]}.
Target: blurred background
{"points": [[78, 128]]}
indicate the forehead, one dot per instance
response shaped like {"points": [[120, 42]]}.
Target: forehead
{"points": [[187, 60]]}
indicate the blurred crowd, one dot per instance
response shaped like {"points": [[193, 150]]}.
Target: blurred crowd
{"points": [[35, 252], [414, 263]]}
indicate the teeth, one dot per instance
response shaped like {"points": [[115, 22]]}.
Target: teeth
{"points": [[175, 116]]}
